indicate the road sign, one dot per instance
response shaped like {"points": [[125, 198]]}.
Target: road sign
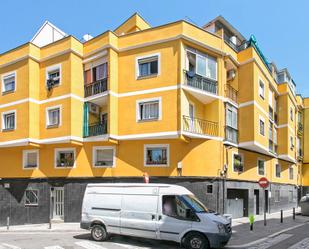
{"points": [[263, 182]]}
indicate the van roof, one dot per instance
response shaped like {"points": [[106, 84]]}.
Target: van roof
{"points": [[164, 188]]}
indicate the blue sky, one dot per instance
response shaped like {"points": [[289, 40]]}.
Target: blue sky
{"points": [[281, 27]]}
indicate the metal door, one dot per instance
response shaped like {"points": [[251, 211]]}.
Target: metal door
{"points": [[235, 207], [58, 212]]}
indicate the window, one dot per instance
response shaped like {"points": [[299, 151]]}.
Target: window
{"points": [[53, 116], [202, 64], [103, 156], [156, 155], [30, 159], [9, 82], [174, 207], [148, 66], [261, 167], [291, 142], [261, 89], [64, 158], [9, 121], [238, 163], [209, 189], [277, 195], [53, 75], [31, 197], [270, 98], [231, 116], [278, 170], [262, 126], [149, 109], [291, 114], [291, 173], [99, 72]]}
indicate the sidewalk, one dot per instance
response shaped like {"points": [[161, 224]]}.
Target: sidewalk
{"points": [[56, 227], [243, 238]]}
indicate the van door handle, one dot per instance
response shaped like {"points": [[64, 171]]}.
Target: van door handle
{"points": [[153, 217]]}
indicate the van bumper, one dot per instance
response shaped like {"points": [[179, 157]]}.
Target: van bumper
{"points": [[217, 240], [85, 225]]}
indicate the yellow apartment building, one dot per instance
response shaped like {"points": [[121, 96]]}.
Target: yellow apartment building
{"points": [[195, 106]]}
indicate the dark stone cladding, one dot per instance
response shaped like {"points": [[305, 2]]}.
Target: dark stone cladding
{"points": [[12, 200]]}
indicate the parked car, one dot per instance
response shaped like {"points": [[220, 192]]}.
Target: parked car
{"points": [[155, 211], [304, 205]]}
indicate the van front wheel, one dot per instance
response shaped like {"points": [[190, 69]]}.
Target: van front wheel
{"points": [[196, 241], [98, 233]]}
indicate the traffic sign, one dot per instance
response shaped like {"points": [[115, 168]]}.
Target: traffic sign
{"points": [[263, 182]]}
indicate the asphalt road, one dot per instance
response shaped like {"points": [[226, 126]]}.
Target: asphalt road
{"points": [[293, 239]]}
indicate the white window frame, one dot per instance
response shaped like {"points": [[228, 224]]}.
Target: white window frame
{"points": [[25, 154], [57, 150], [47, 123], [3, 121], [257, 164], [35, 204], [263, 93], [138, 114], [198, 53], [94, 156], [167, 146], [5, 76], [263, 120], [137, 72], [242, 159], [52, 68]]}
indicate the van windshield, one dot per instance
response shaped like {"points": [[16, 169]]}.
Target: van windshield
{"points": [[195, 204]]}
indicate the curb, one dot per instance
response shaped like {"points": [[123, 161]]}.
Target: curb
{"points": [[43, 231], [268, 237]]}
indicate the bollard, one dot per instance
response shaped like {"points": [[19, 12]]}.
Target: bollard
{"points": [[50, 224], [7, 223], [294, 213], [281, 216], [265, 223]]}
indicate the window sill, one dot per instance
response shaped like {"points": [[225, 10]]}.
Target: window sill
{"points": [[147, 76], [103, 166], [52, 126], [8, 92], [147, 120], [64, 167], [31, 205], [156, 165], [8, 130], [30, 167]]}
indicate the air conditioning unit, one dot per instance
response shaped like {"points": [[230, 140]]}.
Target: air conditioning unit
{"points": [[50, 84], [231, 74], [93, 108]]}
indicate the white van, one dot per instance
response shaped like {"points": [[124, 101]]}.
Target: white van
{"points": [[155, 211]]}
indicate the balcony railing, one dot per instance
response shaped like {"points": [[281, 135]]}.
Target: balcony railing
{"points": [[201, 83], [96, 87], [231, 134], [276, 118], [299, 154], [271, 113], [300, 128], [96, 129], [231, 93], [227, 39], [200, 126], [271, 146]]}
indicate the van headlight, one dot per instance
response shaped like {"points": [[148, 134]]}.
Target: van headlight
{"points": [[221, 228]]}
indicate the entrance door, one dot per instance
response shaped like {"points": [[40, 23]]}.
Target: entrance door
{"points": [[58, 209], [257, 201], [266, 201]]}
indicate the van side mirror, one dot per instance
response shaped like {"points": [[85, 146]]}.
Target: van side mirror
{"points": [[189, 213]]}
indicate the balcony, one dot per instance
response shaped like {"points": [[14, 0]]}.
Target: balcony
{"points": [[96, 87], [231, 93], [231, 134], [271, 113], [276, 118], [300, 155], [200, 126], [271, 146], [96, 129]]}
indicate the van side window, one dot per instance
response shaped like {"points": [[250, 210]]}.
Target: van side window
{"points": [[173, 206]]}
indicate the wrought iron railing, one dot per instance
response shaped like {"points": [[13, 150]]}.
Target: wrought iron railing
{"points": [[96, 87], [97, 129], [231, 134], [200, 126], [231, 92], [201, 83], [300, 127]]}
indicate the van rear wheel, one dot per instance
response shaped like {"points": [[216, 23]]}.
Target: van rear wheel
{"points": [[196, 240], [98, 233]]}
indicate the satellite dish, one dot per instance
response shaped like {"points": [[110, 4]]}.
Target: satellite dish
{"points": [[87, 37]]}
